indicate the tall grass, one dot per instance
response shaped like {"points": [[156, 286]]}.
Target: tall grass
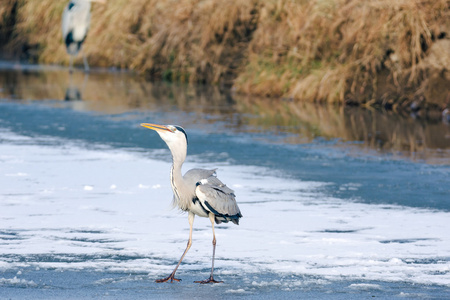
{"points": [[377, 52], [343, 50], [8, 10]]}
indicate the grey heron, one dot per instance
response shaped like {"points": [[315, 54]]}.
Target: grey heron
{"points": [[199, 192], [75, 25]]}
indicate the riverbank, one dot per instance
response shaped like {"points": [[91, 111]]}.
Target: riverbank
{"points": [[390, 54]]}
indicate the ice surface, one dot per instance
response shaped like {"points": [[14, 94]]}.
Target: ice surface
{"points": [[68, 207]]}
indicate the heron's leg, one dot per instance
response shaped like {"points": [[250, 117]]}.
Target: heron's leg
{"points": [[171, 277], [86, 65], [211, 277], [71, 64]]}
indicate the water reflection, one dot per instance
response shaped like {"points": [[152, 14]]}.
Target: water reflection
{"points": [[73, 92], [426, 137]]}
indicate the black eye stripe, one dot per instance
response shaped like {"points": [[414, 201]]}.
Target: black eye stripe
{"points": [[183, 131]]}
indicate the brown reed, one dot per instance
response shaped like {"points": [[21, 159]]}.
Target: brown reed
{"points": [[377, 52]]}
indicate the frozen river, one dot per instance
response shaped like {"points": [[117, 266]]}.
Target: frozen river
{"points": [[85, 202]]}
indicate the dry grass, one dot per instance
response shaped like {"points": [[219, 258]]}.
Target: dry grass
{"points": [[7, 21], [345, 51], [192, 41], [342, 50]]}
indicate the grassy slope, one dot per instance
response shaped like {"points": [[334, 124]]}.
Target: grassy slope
{"points": [[378, 52]]}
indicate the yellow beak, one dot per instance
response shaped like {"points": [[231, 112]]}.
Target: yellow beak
{"points": [[155, 127]]}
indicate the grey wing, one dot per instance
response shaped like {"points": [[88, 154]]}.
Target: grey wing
{"points": [[214, 181], [219, 199], [195, 175]]}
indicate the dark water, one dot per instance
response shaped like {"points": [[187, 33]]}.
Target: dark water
{"points": [[392, 159]]}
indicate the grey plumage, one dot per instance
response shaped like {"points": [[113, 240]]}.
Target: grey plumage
{"points": [[217, 198], [199, 191]]}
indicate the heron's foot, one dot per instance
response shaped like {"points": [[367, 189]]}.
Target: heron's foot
{"points": [[171, 277], [209, 280]]}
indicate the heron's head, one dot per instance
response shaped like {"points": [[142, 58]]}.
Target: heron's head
{"points": [[174, 136]]}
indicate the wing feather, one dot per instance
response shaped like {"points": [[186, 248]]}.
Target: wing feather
{"points": [[218, 199]]}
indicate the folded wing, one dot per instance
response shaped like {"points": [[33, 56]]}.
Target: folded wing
{"points": [[218, 199]]}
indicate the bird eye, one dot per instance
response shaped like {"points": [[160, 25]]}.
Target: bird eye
{"points": [[172, 128]]}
